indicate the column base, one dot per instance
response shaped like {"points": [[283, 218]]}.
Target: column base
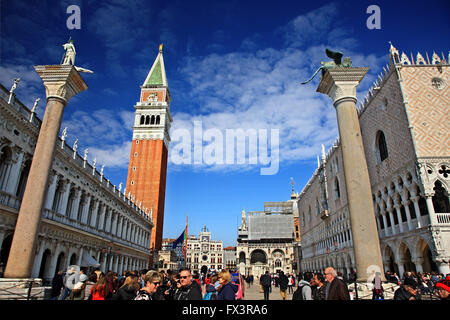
{"points": [[19, 289]]}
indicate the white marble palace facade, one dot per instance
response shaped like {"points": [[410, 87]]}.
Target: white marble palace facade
{"points": [[404, 123], [85, 221]]}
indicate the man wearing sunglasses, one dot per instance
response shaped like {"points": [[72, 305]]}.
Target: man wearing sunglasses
{"points": [[188, 290]]}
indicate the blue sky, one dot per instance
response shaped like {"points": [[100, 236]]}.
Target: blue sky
{"points": [[229, 64]]}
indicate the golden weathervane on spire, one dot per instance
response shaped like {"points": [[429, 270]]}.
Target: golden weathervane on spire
{"points": [[160, 47]]}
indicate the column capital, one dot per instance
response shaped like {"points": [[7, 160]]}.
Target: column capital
{"points": [[61, 81], [341, 83]]}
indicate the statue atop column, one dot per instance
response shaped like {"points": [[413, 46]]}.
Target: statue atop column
{"points": [[335, 63], [69, 56]]}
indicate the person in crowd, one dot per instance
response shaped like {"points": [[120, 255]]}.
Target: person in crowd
{"points": [[128, 289], [337, 289], [320, 286], [266, 283], [377, 291], [174, 277], [197, 279], [283, 282], [69, 281], [57, 285], [442, 289], [290, 283], [227, 290], [407, 291], [99, 290], [303, 291], [152, 280], [188, 289], [78, 290], [111, 282], [90, 282], [211, 290]]}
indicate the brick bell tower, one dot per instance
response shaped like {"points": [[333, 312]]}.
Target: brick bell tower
{"points": [[146, 181]]}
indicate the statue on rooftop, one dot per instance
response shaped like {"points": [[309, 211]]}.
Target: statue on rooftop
{"points": [[335, 63], [35, 105]]}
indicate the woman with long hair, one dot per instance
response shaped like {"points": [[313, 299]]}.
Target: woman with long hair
{"points": [[128, 290], [100, 290]]}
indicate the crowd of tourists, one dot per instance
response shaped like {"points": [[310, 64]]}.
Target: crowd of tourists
{"points": [[144, 285], [184, 285], [332, 285]]}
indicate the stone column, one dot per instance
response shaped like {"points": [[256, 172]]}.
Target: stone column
{"points": [[415, 200], [391, 219], [386, 230], [408, 214], [399, 217], [61, 83], [340, 85], [430, 207], [65, 198], [14, 176], [53, 180], [76, 204]]}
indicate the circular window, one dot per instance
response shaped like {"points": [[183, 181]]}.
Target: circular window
{"points": [[132, 182], [205, 258], [438, 83], [135, 154], [137, 141]]}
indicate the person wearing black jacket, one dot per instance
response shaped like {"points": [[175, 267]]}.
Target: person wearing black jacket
{"points": [[188, 290], [408, 291], [283, 281], [128, 290], [266, 282]]}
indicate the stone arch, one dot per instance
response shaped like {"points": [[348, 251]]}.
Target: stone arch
{"points": [[389, 258], [258, 255], [45, 262], [405, 257], [441, 203], [423, 251], [242, 257], [5, 247], [142, 121]]}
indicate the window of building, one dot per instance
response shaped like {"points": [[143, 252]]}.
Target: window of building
{"points": [[337, 191], [382, 150]]}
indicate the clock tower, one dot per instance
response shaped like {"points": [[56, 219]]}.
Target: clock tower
{"points": [[146, 181]]}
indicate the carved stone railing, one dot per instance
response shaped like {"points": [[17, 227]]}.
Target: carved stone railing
{"points": [[9, 200]]}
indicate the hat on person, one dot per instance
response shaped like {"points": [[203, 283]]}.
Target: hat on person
{"points": [[410, 282], [444, 284]]}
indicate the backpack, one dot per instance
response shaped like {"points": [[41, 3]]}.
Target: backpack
{"points": [[297, 295]]}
